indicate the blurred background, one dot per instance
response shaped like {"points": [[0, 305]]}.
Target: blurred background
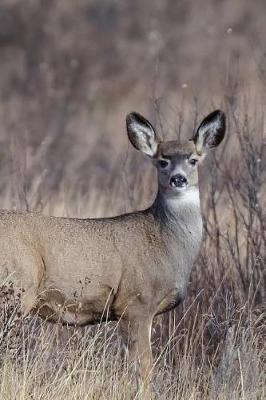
{"points": [[70, 71]]}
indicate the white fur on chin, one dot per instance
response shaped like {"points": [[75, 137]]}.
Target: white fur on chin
{"points": [[186, 196]]}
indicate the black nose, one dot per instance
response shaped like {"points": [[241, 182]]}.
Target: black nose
{"points": [[178, 181]]}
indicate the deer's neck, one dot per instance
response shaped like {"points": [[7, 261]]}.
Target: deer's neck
{"points": [[179, 211], [181, 230]]}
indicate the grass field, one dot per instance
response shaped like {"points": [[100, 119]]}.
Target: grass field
{"points": [[64, 152], [212, 347]]}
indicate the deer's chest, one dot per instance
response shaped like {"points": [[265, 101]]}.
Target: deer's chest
{"points": [[182, 245], [180, 254]]}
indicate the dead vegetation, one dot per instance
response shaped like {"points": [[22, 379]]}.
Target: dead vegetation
{"points": [[64, 152], [213, 347]]}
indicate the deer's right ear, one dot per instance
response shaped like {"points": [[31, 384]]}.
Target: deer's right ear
{"points": [[142, 134]]}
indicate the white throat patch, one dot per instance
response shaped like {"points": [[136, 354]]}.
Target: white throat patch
{"points": [[186, 198]]}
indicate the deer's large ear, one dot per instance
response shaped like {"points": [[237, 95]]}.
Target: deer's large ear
{"points": [[142, 134], [210, 132]]}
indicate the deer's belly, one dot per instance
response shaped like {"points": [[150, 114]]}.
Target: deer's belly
{"points": [[54, 305]]}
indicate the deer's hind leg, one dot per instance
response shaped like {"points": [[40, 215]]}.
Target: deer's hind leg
{"points": [[31, 270]]}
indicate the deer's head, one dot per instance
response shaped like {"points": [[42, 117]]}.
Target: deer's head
{"points": [[176, 162]]}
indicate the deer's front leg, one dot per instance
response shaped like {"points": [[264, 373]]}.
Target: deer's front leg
{"points": [[136, 334]]}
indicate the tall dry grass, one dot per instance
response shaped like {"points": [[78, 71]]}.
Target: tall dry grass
{"points": [[64, 94], [213, 347]]}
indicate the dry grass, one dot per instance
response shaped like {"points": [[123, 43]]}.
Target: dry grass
{"points": [[214, 347], [64, 152]]}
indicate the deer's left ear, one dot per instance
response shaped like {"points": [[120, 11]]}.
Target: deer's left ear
{"points": [[210, 132]]}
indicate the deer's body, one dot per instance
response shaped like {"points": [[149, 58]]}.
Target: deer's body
{"points": [[93, 267], [127, 268]]}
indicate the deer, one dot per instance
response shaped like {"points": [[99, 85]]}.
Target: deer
{"points": [[129, 268]]}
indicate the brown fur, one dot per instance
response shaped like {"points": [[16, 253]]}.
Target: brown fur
{"points": [[174, 148]]}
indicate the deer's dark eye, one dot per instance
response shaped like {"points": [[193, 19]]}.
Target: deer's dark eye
{"points": [[163, 163], [193, 161]]}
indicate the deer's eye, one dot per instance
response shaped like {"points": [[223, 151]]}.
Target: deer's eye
{"points": [[193, 161], [163, 163]]}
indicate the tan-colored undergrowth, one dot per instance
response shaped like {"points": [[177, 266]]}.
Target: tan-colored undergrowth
{"points": [[213, 347], [45, 361]]}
